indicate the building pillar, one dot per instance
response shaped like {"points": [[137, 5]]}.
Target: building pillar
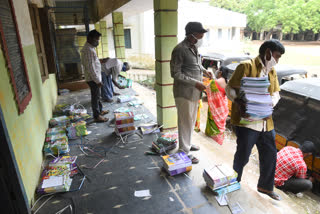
{"points": [[102, 49], [118, 35], [166, 29]]}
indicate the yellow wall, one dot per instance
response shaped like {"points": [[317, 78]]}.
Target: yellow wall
{"points": [[27, 131]]}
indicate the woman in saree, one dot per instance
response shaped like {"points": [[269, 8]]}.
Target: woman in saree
{"points": [[217, 106]]}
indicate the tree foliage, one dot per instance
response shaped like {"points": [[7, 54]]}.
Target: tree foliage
{"points": [[290, 16]]}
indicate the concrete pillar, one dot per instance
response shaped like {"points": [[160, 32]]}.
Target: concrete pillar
{"points": [[118, 35], [166, 29], [102, 49]]}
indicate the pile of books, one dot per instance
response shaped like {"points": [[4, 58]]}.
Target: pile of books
{"points": [[124, 82], [221, 179], [254, 92], [124, 98], [124, 123], [149, 128], [59, 121], [177, 163], [56, 142], [166, 142], [77, 129], [56, 177]]}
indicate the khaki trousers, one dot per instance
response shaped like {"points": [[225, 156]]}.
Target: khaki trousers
{"points": [[187, 114]]}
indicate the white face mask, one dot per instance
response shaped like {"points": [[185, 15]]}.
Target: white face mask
{"points": [[199, 42], [269, 64]]}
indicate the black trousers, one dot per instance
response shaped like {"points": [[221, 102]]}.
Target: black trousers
{"points": [[265, 142], [95, 99], [296, 185]]}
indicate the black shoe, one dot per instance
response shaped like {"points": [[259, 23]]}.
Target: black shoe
{"points": [[107, 100]]}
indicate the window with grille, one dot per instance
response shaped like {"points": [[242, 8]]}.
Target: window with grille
{"points": [[127, 38], [12, 50]]}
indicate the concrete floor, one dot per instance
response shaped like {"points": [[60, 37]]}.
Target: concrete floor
{"points": [[111, 185], [212, 153]]}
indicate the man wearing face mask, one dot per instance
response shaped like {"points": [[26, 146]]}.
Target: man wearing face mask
{"points": [[187, 72], [92, 73], [260, 133]]}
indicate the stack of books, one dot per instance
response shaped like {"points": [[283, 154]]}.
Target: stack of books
{"points": [[166, 142], [56, 142], [59, 121], [221, 179], [149, 128], [56, 177], [177, 163], [254, 92], [124, 82], [124, 98], [124, 123], [77, 129]]}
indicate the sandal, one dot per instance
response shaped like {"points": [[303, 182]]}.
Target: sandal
{"points": [[272, 195], [194, 148], [193, 159], [104, 112], [101, 119]]}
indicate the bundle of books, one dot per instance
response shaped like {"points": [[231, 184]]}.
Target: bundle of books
{"points": [[177, 163], [135, 103], [77, 129], [166, 142], [124, 82], [124, 123], [56, 142], [149, 128], [56, 177], [59, 121], [221, 179], [124, 98], [254, 92], [79, 117]]}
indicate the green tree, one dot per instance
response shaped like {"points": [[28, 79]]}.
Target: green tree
{"points": [[288, 16]]}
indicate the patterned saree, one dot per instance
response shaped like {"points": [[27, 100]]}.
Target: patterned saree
{"points": [[217, 112]]}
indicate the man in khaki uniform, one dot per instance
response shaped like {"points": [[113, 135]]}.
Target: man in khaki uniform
{"points": [[260, 133]]}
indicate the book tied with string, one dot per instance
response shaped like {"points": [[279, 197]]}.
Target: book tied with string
{"points": [[124, 122], [177, 163], [221, 178], [166, 142]]}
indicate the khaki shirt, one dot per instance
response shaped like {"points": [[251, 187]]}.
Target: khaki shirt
{"points": [[251, 68], [186, 70]]}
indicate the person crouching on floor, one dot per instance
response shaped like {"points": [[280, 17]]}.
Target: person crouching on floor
{"points": [[111, 68], [291, 170]]}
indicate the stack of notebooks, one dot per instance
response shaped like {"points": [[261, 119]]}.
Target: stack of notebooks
{"points": [[221, 179], [124, 98], [177, 163], [124, 82], [254, 92], [149, 128], [56, 177], [56, 142], [124, 123], [166, 142], [59, 121], [77, 129]]}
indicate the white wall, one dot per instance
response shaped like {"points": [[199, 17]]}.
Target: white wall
{"points": [[142, 28]]}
